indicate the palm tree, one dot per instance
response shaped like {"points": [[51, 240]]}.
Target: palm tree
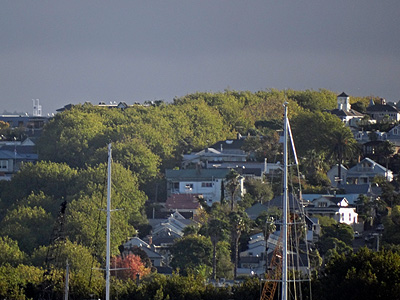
{"points": [[341, 145], [267, 224], [217, 230], [233, 182], [239, 223], [386, 150]]}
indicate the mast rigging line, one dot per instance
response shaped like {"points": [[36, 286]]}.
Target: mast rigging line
{"points": [[97, 231], [293, 228]]}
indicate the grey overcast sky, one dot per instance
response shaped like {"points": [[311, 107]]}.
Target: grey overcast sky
{"points": [[75, 51]]}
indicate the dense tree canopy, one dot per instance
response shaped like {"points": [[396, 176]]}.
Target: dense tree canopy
{"points": [[362, 275], [192, 252], [146, 140]]}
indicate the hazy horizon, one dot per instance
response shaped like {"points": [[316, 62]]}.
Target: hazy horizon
{"points": [[134, 51]]}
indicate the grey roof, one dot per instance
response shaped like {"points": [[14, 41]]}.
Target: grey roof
{"points": [[333, 198], [6, 154], [356, 188], [228, 144], [363, 189], [20, 149], [373, 143], [370, 161], [254, 211], [381, 107], [278, 202], [196, 174]]}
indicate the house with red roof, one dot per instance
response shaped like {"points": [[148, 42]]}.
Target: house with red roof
{"points": [[187, 205]]}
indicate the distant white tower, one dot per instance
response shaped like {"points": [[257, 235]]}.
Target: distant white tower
{"points": [[37, 108], [343, 101]]}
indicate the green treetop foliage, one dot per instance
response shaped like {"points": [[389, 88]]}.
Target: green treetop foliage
{"points": [[323, 136], [362, 275], [85, 220], [149, 139], [29, 226], [337, 236], [34, 197], [206, 124], [261, 191], [80, 258], [314, 100], [53, 179], [191, 252], [16, 282], [70, 137], [391, 234], [10, 252]]}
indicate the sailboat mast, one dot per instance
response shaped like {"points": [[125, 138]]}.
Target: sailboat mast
{"points": [[108, 224], [285, 209]]}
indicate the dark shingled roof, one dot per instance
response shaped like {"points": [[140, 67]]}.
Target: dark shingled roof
{"points": [[343, 94], [381, 107], [228, 144], [193, 174]]}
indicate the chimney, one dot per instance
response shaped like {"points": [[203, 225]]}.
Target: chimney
{"points": [[198, 168]]}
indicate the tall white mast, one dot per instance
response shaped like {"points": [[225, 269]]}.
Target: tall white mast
{"points": [[285, 208], [108, 224]]}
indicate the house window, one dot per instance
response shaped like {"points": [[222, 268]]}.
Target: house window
{"points": [[189, 186], [322, 204], [3, 164], [395, 131], [349, 217], [175, 185], [342, 216], [206, 184]]}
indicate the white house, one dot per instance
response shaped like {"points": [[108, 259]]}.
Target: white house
{"points": [[207, 182], [334, 207], [349, 116]]}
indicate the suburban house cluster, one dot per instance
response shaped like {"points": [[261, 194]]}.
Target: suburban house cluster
{"points": [[201, 180]]}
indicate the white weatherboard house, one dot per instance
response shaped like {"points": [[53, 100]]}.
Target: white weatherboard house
{"points": [[334, 207], [207, 182]]}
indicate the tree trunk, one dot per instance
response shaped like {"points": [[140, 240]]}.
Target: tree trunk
{"points": [[214, 272], [235, 260]]}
